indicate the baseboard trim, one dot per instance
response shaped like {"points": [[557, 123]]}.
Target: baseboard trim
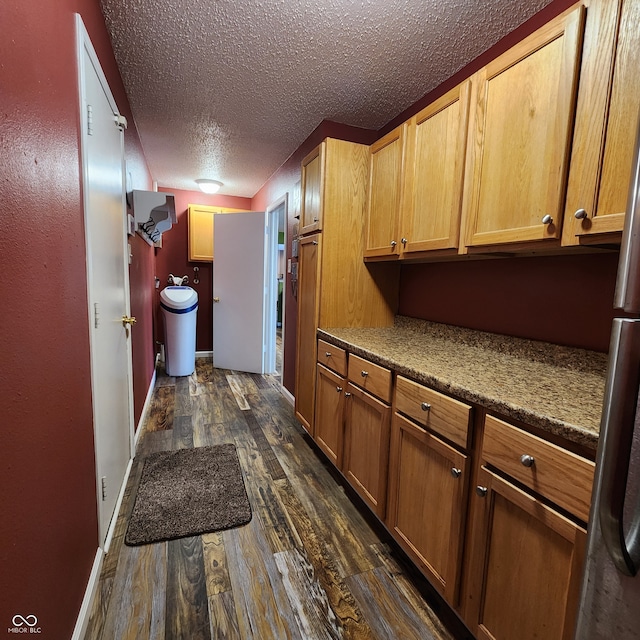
{"points": [[145, 410], [82, 621], [116, 511], [204, 354], [288, 395]]}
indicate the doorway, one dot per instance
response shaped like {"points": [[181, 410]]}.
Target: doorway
{"points": [[102, 152], [277, 213]]}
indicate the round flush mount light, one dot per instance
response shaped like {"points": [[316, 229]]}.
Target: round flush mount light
{"points": [[208, 186]]}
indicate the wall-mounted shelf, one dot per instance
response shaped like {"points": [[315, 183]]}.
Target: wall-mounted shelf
{"points": [[154, 213]]}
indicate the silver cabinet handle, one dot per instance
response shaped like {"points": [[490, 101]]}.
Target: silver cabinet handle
{"points": [[364, 374], [456, 473], [314, 242], [338, 389], [327, 354], [547, 219], [616, 440], [404, 242], [527, 460], [347, 394], [393, 243], [425, 406], [481, 491], [581, 214]]}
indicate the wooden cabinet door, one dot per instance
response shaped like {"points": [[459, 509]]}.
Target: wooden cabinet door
{"points": [[366, 447], [386, 160], [436, 151], [200, 222], [606, 118], [329, 421], [427, 502], [309, 249], [520, 136], [312, 189], [527, 566]]}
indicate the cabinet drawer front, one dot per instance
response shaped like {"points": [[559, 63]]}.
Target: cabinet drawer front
{"points": [[332, 357], [371, 377], [561, 476], [440, 413]]}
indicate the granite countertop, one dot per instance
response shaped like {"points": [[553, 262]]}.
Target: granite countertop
{"points": [[558, 389]]}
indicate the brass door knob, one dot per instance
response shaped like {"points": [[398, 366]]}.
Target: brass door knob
{"points": [[128, 320]]}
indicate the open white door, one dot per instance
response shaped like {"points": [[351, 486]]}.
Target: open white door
{"points": [[239, 280], [107, 282]]}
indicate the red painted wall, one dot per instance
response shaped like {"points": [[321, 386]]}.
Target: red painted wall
{"points": [[561, 299], [173, 258], [283, 181], [48, 521]]}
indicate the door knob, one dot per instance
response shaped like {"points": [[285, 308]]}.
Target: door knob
{"points": [[216, 299], [128, 320]]}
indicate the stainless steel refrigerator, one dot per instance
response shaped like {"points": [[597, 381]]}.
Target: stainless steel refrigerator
{"points": [[610, 598]]}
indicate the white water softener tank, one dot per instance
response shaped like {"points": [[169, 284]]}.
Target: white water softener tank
{"points": [[179, 310]]}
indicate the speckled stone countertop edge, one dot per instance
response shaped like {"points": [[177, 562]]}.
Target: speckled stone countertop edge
{"points": [[570, 432]]}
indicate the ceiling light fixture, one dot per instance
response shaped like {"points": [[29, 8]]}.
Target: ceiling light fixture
{"points": [[208, 186]]}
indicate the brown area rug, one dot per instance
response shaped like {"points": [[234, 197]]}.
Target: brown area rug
{"points": [[188, 492]]}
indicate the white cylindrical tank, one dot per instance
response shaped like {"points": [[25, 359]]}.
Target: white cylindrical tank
{"points": [[179, 310]]}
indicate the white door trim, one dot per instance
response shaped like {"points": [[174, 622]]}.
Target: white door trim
{"points": [[83, 45], [274, 206]]}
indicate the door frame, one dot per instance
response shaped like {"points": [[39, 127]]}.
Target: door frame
{"points": [[84, 45], [271, 275]]}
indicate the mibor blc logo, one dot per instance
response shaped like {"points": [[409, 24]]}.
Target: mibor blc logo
{"points": [[24, 624]]}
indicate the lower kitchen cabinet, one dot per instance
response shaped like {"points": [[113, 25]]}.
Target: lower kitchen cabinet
{"points": [[366, 446], [427, 502], [329, 421], [527, 565]]}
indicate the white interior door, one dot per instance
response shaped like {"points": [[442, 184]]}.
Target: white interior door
{"points": [[239, 281], [108, 282]]}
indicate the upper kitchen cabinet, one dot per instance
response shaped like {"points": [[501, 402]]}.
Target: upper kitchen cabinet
{"points": [[200, 219], [606, 117], [386, 166], [312, 183], [436, 146], [520, 136]]}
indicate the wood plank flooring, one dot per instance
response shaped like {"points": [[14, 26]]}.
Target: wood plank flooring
{"points": [[311, 564]]}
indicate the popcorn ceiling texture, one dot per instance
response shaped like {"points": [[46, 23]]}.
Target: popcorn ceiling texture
{"points": [[228, 89]]}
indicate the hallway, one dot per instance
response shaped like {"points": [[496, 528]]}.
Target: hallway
{"points": [[307, 566]]}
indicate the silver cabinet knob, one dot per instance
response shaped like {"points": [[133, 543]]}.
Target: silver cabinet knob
{"points": [[364, 374], [547, 219], [456, 473], [481, 491], [393, 243], [347, 394], [216, 299], [327, 354], [527, 460], [404, 242], [581, 214], [338, 389], [425, 406], [314, 242]]}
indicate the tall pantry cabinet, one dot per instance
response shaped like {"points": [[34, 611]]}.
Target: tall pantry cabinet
{"points": [[335, 287]]}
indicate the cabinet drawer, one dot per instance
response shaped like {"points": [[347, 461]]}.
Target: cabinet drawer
{"points": [[333, 357], [561, 476], [372, 377], [439, 413]]}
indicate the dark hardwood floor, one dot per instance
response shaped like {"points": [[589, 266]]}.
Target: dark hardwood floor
{"points": [[309, 564]]}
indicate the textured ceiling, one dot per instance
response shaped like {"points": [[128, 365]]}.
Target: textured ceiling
{"points": [[228, 89]]}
